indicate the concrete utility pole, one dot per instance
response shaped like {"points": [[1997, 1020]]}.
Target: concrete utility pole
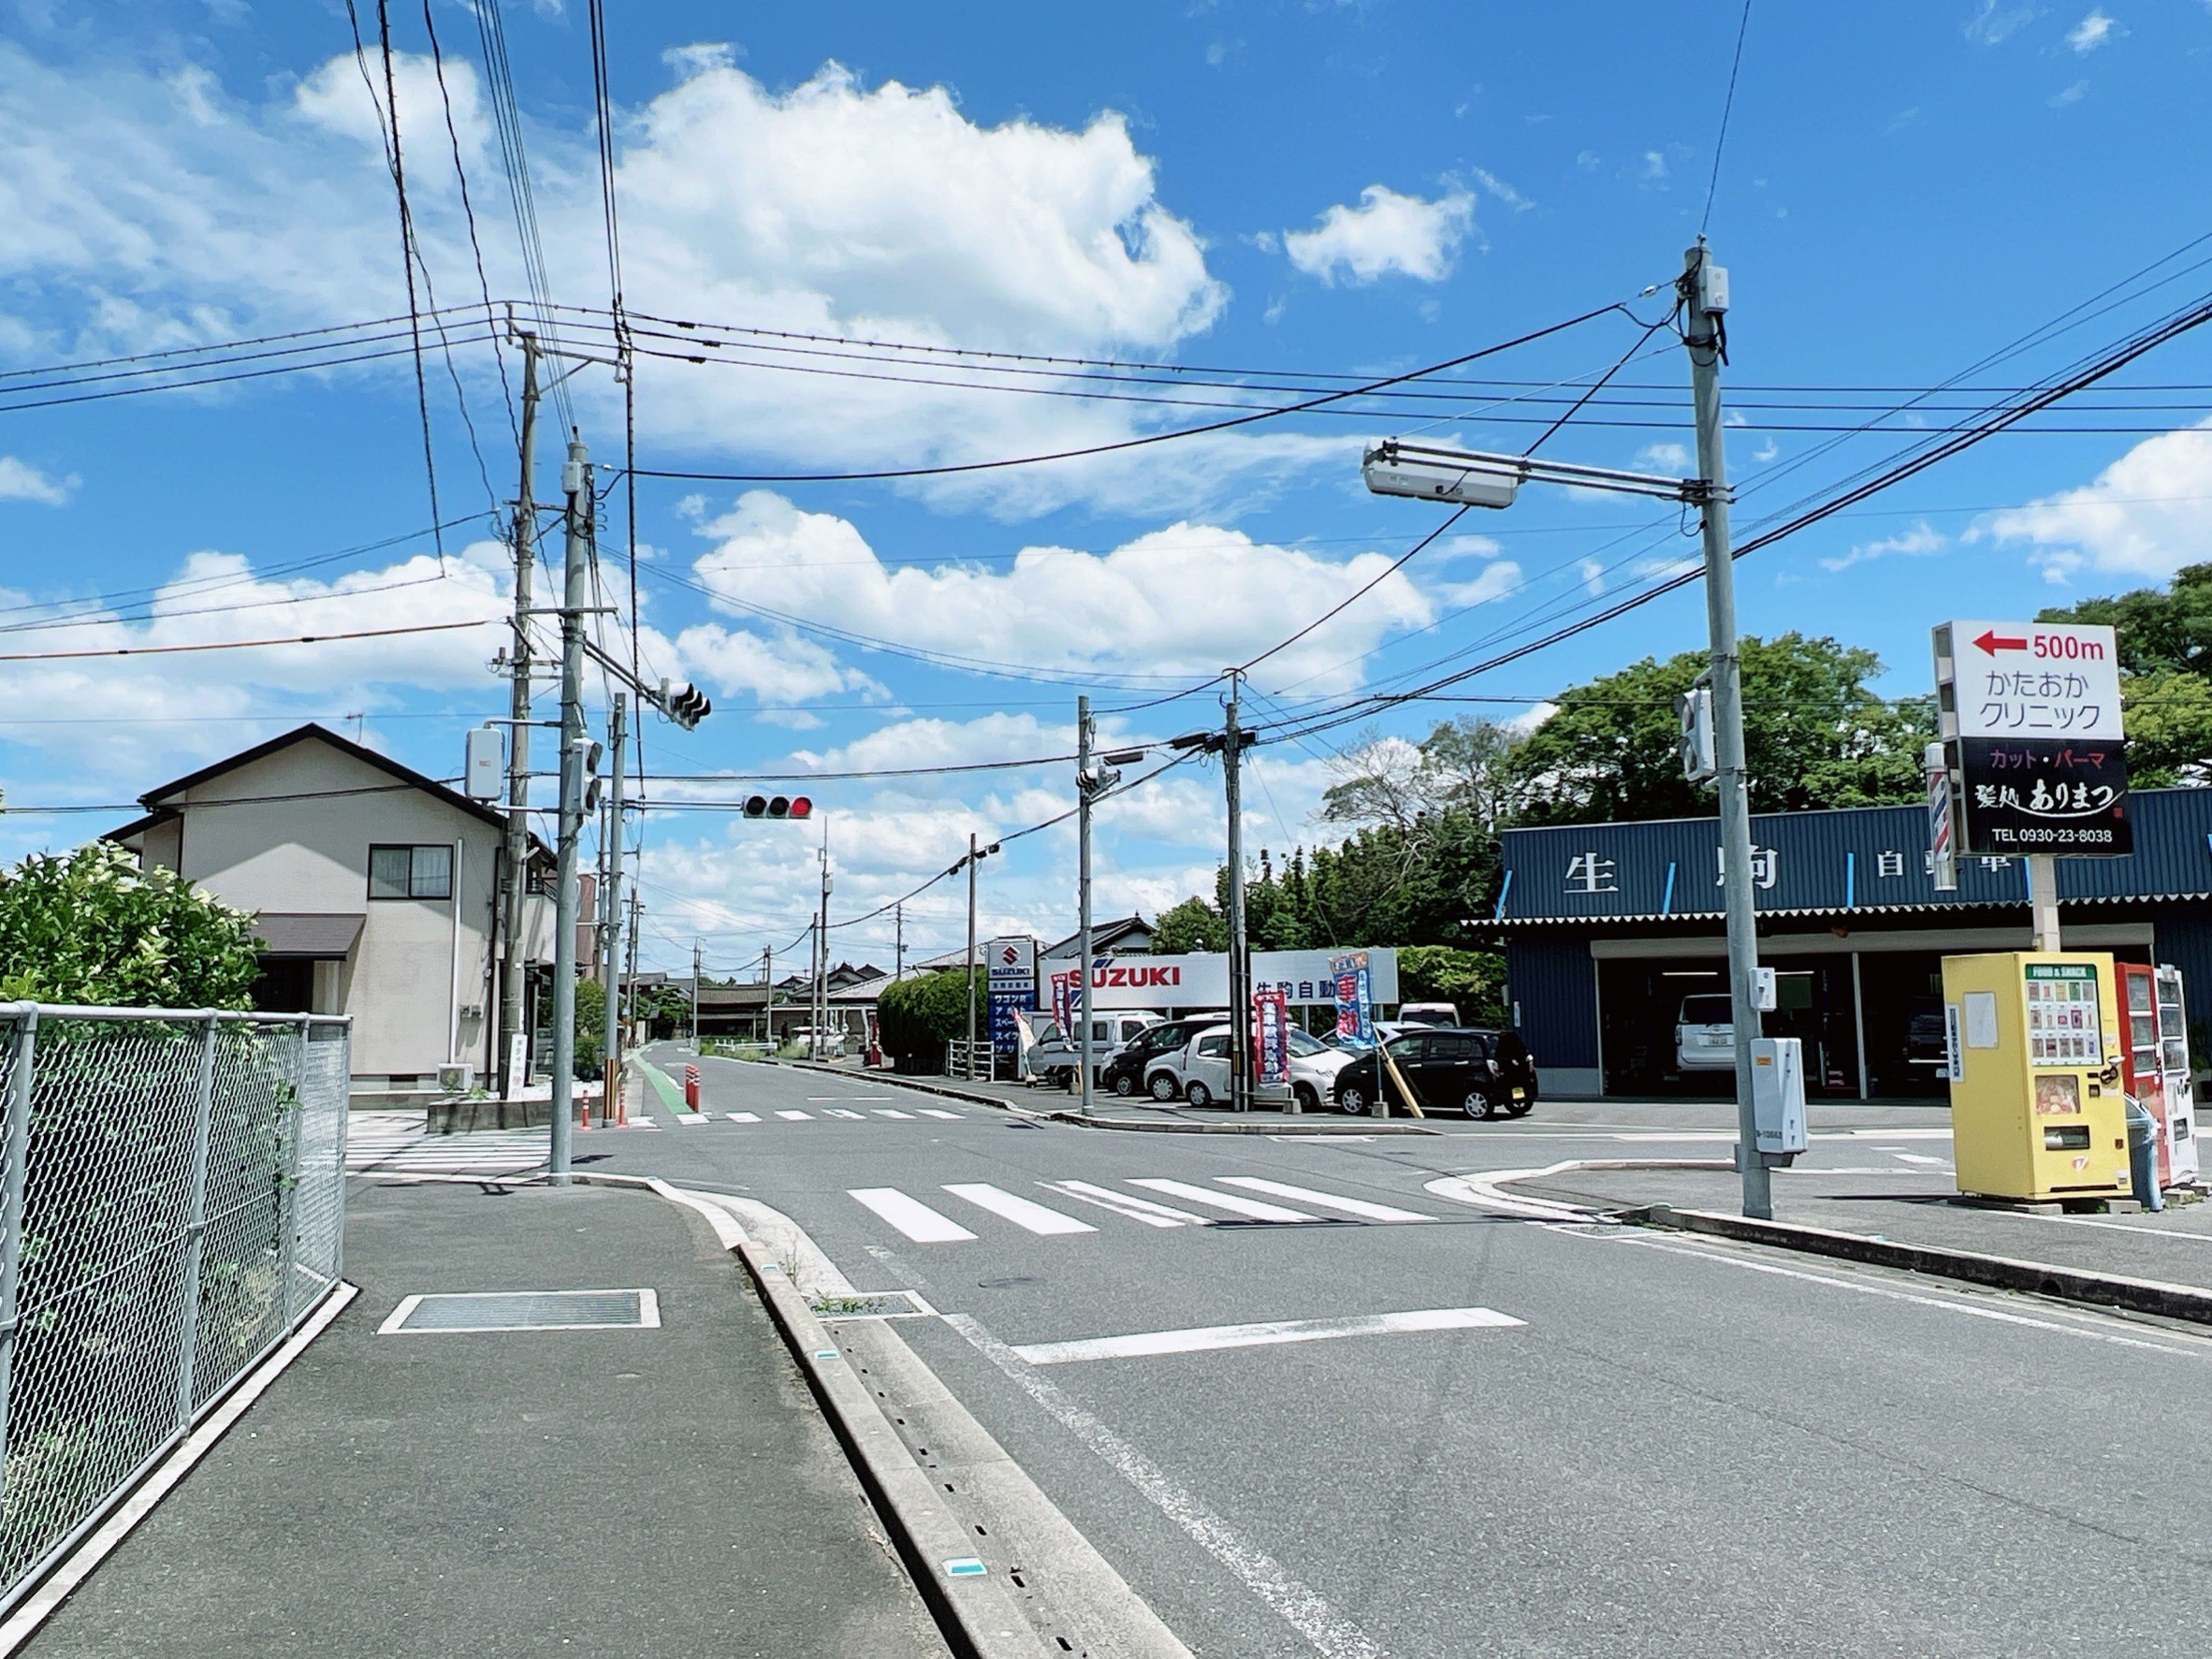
{"points": [[576, 482], [514, 969], [1705, 300], [768, 996], [630, 972], [694, 995], [1082, 891], [611, 901], [1240, 960], [898, 950], [971, 863], [822, 950]]}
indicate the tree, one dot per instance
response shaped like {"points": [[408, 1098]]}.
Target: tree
{"points": [[90, 927], [1815, 735], [917, 1017], [1192, 926], [1473, 981], [590, 1028]]}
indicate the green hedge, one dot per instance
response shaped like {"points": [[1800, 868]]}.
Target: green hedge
{"points": [[917, 1017]]}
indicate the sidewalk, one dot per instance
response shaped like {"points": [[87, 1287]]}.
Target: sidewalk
{"points": [[661, 1492], [2174, 1247]]}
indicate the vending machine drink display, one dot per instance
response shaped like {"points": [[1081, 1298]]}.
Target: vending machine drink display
{"points": [[2034, 1057], [2181, 1089]]}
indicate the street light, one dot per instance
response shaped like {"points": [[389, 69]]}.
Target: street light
{"points": [[1428, 473]]}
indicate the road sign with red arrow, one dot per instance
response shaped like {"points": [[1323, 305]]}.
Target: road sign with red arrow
{"points": [[1991, 643], [2028, 679]]}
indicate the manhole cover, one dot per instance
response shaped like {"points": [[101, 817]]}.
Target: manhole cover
{"points": [[525, 1310]]}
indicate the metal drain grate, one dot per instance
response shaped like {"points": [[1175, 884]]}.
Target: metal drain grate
{"points": [[524, 1310]]}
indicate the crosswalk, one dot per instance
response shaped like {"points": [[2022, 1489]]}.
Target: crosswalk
{"points": [[1227, 1203], [396, 1143]]}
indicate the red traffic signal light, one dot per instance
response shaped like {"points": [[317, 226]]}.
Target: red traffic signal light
{"points": [[778, 806]]}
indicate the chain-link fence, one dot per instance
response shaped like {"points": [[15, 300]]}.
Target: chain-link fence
{"points": [[172, 1200]]}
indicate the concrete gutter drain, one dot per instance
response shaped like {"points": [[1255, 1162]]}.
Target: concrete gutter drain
{"points": [[443, 1315]]}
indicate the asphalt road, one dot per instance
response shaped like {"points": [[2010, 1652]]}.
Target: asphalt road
{"points": [[1533, 1439]]}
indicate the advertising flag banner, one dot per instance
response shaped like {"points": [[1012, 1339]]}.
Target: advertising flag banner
{"points": [[1064, 1000], [1355, 1006], [1271, 1035]]}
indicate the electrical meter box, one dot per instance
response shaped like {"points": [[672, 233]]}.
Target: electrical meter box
{"points": [[1778, 1093], [2034, 1057]]}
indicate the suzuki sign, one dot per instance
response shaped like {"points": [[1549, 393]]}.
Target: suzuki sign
{"points": [[1200, 980]]}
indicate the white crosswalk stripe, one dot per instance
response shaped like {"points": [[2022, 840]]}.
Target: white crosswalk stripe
{"points": [[893, 1111], [1359, 1207], [1251, 1208], [844, 1112], [949, 1116], [910, 1215], [925, 1225], [796, 1116], [397, 1143], [743, 1116], [1022, 1211]]}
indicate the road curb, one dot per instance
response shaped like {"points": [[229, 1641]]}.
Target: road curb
{"points": [[2000, 1272], [977, 1616], [1317, 1126]]}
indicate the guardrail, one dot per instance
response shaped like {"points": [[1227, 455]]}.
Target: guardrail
{"points": [[172, 1207]]}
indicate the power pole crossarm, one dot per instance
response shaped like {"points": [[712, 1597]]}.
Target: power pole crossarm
{"points": [[1704, 293]]}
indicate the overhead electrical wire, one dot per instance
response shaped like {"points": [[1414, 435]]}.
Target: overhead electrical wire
{"points": [[241, 644]]}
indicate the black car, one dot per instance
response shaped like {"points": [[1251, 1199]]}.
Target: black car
{"points": [[1480, 1073], [1123, 1074]]}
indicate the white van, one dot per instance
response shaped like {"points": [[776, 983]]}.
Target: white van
{"points": [[1054, 1059], [1705, 1034]]}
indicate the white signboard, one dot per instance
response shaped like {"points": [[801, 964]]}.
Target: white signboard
{"points": [[1012, 963], [1200, 980], [2033, 679]]}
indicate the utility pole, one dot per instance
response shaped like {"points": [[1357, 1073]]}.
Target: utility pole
{"points": [[630, 974], [514, 970], [1705, 296], [971, 860], [1082, 891], [611, 903], [1240, 961], [821, 952], [768, 996], [576, 482], [898, 956], [694, 995]]}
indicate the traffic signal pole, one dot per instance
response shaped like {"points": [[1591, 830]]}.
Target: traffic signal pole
{"points": [[1705, 338], [1240, 960]]}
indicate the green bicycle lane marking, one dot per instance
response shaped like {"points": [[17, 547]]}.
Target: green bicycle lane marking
{"points": [[671, 1095]]}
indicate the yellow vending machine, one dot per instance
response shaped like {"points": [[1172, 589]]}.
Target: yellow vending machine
{"points": [[2037, 1112]]}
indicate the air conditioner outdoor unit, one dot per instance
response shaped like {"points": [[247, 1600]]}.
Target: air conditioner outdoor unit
{"points": [[457, 1078]]}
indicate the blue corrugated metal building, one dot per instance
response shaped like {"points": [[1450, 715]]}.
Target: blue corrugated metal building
{"points": [[1608, 926]]}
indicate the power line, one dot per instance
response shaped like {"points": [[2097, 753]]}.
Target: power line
{"points": [[469, 213], [240, 645], [1727, 107]]}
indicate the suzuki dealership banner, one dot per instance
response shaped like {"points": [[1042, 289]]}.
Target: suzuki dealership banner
{"points": [[1200, 980], [1012, 964], [1271, 1034]]}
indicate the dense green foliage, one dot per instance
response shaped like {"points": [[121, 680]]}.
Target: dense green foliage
{"points": [[1472, 980], [917, 1017], [2165, 654], [590, 1028], [1815, 735], [90, 927]]}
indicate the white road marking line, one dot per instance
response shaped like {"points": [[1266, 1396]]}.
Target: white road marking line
{"points": [[1204, 1338], [743, 1116], [2152, 1233], [1940, 1303], [845, 1112], [893, 1112], [1135, 1209], [795, 1116], [911, 1216], [1917, 1157], [818, 1100], [1222, 1201], [1332, 1635], [1322, 1200], [1887, 1135], [1020, 1211], [690, 1117], [932, 1111]]}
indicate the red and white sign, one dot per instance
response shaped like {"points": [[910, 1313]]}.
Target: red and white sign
{"points": [[1271, 1035], [1200, 978], [2027, 680]]}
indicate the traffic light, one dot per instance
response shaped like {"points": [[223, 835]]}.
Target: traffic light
{"points": [[778, 806], [686, 704]]}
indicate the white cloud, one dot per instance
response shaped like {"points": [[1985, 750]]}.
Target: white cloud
{"points": [[2065, 95], [2146, 515], [149, 209], [2093, 31], [1922, 541], [20, 481], [1995, 21], [1186, 600], [1654, 165], [1593, 574], [1386, 232], [1674, 458], [1503, 190]]}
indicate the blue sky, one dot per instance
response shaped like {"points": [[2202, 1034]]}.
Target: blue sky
{"points": [[1283, 190]]}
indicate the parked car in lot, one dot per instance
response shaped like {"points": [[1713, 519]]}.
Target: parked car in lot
{"points": [[1124, 1073], [1428, 1014], [1056, 1054], [1199, 1072], [1705, 1035], [1480, 1073]]}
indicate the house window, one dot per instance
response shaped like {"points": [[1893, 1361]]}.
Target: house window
{"points": [[409, 872]]}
